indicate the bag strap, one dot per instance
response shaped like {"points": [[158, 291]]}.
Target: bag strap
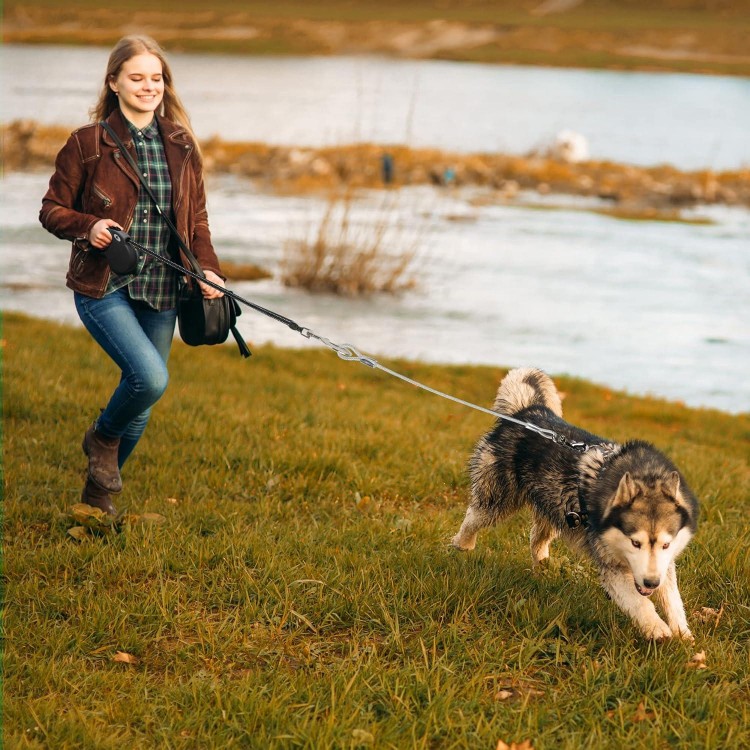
{"points": [[172, 228]]}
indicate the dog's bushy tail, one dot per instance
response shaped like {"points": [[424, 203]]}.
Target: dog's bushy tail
{"points": [[526, 387]]}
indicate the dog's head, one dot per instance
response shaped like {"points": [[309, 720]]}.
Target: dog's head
{"points": [[647, 522]]}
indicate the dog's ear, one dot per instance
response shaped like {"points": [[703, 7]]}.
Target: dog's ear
{"points": [[624, 494], [672, 486]]}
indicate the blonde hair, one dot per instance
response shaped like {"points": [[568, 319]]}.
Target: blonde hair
{"points": [[129, 46]]}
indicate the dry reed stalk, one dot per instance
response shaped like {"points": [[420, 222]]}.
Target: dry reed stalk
{"points": [[349, 256]]}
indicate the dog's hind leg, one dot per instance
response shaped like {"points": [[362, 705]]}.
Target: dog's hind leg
{"points": [[474, 520], [671, 601], [542, 535], [491, 498]]}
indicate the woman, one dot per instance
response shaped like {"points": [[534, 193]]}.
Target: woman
{"points": [[131, 317]]}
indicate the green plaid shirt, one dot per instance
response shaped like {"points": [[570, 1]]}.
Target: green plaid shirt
{"points": [[153, 283]]}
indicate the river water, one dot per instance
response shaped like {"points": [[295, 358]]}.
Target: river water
{"points": [[690, 121], [647, 307]]}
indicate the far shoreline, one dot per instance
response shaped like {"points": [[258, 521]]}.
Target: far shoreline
{"points": [[625, 191], [645, 36]]}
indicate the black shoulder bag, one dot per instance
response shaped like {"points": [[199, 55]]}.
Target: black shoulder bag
{"points": [[201, 321]]}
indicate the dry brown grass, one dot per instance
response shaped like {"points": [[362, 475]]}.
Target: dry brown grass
{"points": [[244, 271], [350, 256]]}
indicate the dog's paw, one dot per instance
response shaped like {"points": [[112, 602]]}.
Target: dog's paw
{"points": [[464, 545], [657, 631], [685, 635]]}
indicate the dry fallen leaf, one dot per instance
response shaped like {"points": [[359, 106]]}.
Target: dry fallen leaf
{"points": [[698, 661], [363, 737], [79, 533], [525, 745], [517, 691], [89, 516], [125, 658], [642, 714], [708, 614], [362, 503]]}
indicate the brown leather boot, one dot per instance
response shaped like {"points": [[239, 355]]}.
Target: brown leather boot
{"points": [[98, 498], [102, 453]]}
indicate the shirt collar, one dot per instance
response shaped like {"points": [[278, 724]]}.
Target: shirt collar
{"points": [[149, 132]]}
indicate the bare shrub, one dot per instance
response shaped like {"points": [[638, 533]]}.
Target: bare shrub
{"points": [[355, 253]]}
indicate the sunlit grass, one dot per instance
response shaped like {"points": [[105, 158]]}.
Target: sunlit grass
{"points": [[301, 593]]}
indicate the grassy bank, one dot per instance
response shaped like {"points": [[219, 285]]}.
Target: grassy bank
{"points": [[300, 592], [658, 192], [707, 36]]}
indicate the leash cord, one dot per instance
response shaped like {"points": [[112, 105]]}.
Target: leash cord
{"points": [[350, 354]]}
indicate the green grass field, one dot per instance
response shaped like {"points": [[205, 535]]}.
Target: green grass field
{"points": [[300, 593]]}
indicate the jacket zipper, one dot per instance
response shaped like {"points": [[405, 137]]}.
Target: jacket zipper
{"points": [[106, 200]]}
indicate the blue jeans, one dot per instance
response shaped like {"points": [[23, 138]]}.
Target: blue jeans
{"points": [[138, 340]]}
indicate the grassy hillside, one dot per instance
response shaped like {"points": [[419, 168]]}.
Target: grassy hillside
{"points": [[680, 35], [300, 593]]}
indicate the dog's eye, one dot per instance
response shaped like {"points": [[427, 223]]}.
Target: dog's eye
{"points": [[635, 543], [665, 546]]}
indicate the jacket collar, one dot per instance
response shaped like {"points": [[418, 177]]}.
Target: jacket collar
{"points": [[118, 123]]}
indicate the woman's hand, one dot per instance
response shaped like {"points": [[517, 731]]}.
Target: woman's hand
{"points": [[208, 291], [99, 237]]}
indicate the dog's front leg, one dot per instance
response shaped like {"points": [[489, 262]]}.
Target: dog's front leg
{"points": [[623, 592], [671, 601]]}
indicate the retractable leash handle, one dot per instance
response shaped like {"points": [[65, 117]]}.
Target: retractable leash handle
{"points": [[121, 255]]}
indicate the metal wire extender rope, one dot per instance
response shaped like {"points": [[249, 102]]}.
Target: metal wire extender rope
{"points": [[351, 354]]}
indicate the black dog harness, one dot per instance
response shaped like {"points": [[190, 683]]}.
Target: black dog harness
{"points": [[575, 507]]}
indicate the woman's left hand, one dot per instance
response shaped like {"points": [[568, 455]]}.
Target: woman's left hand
{"points": [[208, 291]]}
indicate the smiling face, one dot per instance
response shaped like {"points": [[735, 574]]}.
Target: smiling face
{"points": [[140, 88]]}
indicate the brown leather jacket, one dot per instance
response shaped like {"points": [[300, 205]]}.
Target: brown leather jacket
{"points": [[92, 181]]}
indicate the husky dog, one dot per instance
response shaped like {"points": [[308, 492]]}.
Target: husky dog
{"points": [[638, 512]]}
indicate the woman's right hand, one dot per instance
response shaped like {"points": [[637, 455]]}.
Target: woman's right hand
{"points": [[99, 237]]}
